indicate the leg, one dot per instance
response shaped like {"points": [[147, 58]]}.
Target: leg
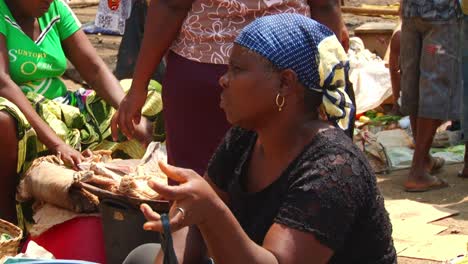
{"points": [[8, 163], [431, 164], [414, 127], [419, 179]]}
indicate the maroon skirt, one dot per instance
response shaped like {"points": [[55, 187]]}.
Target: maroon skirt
{"points": [[194, 122]]}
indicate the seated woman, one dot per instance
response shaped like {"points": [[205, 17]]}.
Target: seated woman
{"points": [[284, 186], [36, 39]]}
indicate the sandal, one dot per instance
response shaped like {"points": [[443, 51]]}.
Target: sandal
{"points": [[437, 164], [435, 185]]}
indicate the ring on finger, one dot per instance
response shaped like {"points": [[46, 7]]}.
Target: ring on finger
{"points": [[181, 210]]}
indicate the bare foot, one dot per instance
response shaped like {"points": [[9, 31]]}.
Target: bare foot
{"points": [[423, 183]]}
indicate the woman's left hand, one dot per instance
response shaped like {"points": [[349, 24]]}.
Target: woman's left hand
{"points": [[194, 201], [129, 113]]}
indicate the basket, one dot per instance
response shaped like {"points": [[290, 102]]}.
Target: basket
{"points": [[11, 246]]}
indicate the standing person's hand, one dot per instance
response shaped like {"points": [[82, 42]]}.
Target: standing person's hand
{"points": [[144, 132], [193, 199], [128, 115], [70, 156]]}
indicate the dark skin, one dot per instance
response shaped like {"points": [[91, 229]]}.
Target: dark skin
{"points": [[328, 12], [248, 99], [94, 71], [394, 67], [422, 164], [424, 130], [164, 20]]}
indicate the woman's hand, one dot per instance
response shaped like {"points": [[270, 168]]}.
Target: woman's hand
{"points": [[70, 156], [194, 201], [128, 115], [144, 132]]}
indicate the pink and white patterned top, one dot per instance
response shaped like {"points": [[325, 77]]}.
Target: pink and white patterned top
{"points": [[208, 32]]}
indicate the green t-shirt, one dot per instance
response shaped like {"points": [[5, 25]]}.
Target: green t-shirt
{"points": [[36, 65]]}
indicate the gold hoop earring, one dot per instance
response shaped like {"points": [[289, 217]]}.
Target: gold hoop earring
{"points": [[280, 105]]}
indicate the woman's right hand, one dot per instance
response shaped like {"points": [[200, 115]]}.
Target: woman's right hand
{"points": [[129, 113], [70, 156], [194, 201]]}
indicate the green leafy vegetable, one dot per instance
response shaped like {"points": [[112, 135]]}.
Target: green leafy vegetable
{"points": [[371, 114], [5, 237]]}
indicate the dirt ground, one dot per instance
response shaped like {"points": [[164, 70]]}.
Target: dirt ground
{"points": [[454, 197]]}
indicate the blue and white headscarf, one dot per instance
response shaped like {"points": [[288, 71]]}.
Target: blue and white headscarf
{"points": [[292, 41]]}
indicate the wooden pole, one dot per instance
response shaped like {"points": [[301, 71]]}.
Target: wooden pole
{"points": [[368, 11], [83, 2]]}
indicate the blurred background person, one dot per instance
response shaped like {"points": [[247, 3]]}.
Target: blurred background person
{"points": [[430, 80]]}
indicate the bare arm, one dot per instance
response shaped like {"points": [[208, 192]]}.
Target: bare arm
{"points": [[394, 65], [11, 91], [163, 22], [96, 73], [92, 68], [281, 245]]}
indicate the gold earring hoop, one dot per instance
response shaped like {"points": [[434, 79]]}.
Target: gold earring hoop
{"points": [[280, 105]]}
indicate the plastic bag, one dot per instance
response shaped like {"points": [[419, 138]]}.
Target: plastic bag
{"points": [[113, 16], [370, 77]]}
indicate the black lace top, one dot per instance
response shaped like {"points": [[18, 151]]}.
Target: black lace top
{"points": [[329, 190]]}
